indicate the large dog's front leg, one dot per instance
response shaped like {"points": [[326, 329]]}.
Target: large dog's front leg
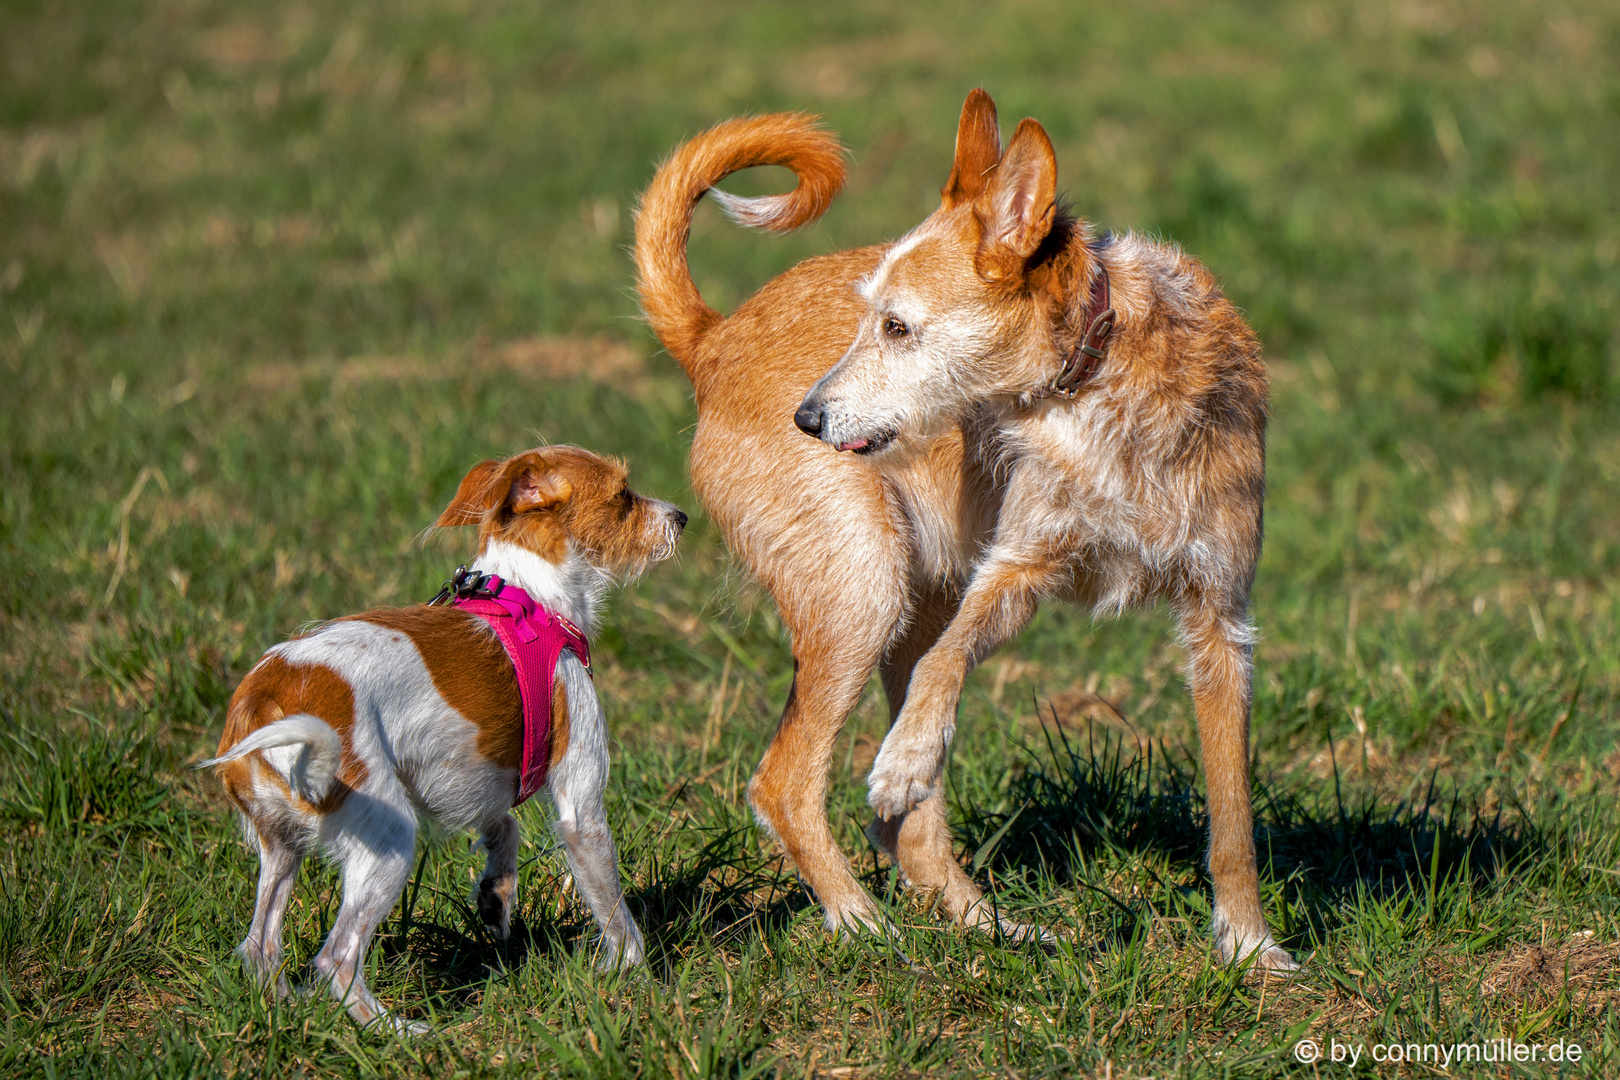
{"points": [[999, 602]]}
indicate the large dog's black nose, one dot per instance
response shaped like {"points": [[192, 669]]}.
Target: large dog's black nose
{"points": [[808, 419], [680, 519]]}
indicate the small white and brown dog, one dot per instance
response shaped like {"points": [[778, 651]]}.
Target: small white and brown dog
{"points": [[339, 739]]}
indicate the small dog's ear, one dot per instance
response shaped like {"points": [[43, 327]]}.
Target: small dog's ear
{"points": [[978, 148], [537, 489], [1019, 204], [475, 496]]}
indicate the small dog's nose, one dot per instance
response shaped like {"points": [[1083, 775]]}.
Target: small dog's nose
{"points": [[680, 519], [808, 419]]}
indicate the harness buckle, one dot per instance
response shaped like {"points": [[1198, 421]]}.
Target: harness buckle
{"points": [[465, 584]]}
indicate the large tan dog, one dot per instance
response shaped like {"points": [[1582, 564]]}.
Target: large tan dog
{"points": [[1029, 411]]}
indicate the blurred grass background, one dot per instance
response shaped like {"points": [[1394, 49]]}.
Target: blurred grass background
{"points": [[272, 276]]}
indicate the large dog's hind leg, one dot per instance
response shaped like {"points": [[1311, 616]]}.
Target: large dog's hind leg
{"points": [[821, 534], [832, 661], [1219, 673]]}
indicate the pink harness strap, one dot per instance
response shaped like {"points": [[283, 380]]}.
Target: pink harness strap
{"points": [[535, 639]]}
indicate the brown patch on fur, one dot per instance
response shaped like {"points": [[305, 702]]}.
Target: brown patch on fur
{"points": [[276, 689], [470, 669], [559, 724]]}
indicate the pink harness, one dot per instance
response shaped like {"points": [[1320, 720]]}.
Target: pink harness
{"points": [[535, 639]]}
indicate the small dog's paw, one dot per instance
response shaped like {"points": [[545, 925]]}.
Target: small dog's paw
{"points": [[402, 1028], [901, 778], [622, 955], [1020, 933]]}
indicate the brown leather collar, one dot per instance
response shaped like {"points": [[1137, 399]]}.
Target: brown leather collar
{"points": [[1092, 348]]}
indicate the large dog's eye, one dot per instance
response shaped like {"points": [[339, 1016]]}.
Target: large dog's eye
{"points": [[894, 328]]}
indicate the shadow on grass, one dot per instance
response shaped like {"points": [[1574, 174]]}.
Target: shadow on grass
{"points": [[1082, 799], [722, 891]]}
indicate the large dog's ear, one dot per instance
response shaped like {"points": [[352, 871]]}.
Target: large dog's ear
{"points": [[1018, 206], [978, 148], [474, 497]]}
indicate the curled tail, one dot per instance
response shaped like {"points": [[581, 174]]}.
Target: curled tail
{"points": [[313, 770], [669, 299]]}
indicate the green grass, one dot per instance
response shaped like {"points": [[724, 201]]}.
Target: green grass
{"points": [[272, 277]]}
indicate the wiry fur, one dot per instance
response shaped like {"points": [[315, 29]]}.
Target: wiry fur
{"points": [[969, 496], [340, 739]]}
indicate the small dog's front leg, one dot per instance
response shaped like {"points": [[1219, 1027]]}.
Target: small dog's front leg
{"points": [[998, 603], [578, 786], [497, 887]]}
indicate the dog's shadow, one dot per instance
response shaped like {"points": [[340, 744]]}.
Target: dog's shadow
{"points": [[715, 892], [1103, 792]]}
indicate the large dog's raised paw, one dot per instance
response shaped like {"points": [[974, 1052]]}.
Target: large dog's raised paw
{"points": [[904, 774]]}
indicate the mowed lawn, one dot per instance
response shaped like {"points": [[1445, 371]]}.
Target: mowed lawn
{"points": [[273, 276]]}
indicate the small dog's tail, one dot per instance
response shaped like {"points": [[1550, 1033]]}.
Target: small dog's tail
{"points": [[669, 299], [313, 770]]}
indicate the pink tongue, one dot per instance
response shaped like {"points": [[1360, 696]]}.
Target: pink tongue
{"points": [[858, 444]]}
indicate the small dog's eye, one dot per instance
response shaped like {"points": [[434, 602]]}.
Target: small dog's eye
{"points": [[894, 328]]}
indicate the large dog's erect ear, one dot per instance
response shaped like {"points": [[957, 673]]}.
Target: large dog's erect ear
{"points": [[978, 148], [475, 495], [1019, 204]]}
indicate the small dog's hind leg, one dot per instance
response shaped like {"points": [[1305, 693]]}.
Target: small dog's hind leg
{"points": [[375, 869], [497, 887], [1219, 673], [578, 786], [278, 870]]}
